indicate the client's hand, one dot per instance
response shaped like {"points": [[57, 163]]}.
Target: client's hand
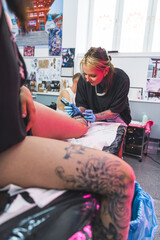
{"points": [[89, 115], [27, 106], [72, 110]]}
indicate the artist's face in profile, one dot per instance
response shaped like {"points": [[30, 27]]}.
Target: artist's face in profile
{"points": [[92, 75]]}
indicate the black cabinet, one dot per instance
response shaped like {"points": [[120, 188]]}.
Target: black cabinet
{"points": [[136, 142]]}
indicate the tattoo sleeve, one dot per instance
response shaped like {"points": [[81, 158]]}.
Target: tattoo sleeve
{"points": [[106, 115]]}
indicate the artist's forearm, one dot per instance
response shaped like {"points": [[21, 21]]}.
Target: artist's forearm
{"points": [[105, 115]]}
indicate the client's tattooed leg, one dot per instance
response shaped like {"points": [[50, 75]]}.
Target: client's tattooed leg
{"points": [[105, 176], [100, 232]]}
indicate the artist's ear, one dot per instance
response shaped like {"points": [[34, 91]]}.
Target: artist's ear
{"points": [[106, 71]]}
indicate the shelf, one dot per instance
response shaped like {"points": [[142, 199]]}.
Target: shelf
{"points": [[46, 93], [144, 101]]}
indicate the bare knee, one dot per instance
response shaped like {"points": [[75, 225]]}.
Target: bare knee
{"points": [[118, 177], [129, 182]]}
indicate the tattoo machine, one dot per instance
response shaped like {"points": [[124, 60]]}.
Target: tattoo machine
{"points": [[65, 102], [73, 109]]}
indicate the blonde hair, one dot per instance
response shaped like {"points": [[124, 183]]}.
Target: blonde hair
{"points": [[97, 58]]}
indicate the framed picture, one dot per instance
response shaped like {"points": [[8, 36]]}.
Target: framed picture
{"points": [[67, 72], [135, 93], [68, 55], [28, 51], [55, 41]]}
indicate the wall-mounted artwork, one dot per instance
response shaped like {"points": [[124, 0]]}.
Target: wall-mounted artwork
{"points": [[153, 77], [46, 72], [153, 85], [28, 51], [44, 31], [68, 55], [45, 16], [135, 93], [55, 41], [154, 68]]}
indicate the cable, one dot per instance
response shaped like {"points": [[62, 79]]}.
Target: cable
{"points": [[153, 159]]}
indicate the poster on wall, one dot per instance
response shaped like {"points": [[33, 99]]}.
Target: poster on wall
{"points": [[153, 77], [43, 16], [55, 41], [68, 55], [28, 51], [45, 72], [44, 31], [153, 85]]}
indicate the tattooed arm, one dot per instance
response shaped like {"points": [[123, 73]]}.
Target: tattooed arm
{"points": [[105, 115], [102, 115]]}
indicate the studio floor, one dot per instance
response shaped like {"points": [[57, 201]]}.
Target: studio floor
{"points": [[148, 175]]}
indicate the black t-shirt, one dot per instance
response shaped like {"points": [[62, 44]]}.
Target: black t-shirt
{"points": [[115, 99], [12, 127]]}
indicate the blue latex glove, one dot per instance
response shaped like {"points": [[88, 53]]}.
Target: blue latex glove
{"points": [[89, 115], [72, 110]]}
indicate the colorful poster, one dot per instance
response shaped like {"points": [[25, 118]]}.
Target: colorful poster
{"points": [[153, 85], [153, 77], [28, 51], [43, 16], [68, 55], [55, 41]]}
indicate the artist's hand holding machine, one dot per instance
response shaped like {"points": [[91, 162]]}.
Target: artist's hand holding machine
{"points": [[73, 111]]}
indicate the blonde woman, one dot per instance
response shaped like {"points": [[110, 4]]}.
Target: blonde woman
{"points": [[102, 92]]}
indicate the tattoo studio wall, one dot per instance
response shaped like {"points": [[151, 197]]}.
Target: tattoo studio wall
{"points": [[41, 45], [43, 74]]}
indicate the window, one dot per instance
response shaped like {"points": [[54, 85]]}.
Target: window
{"points": [[125, 25], [156, 34], [133, 25], [103, 23]]}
